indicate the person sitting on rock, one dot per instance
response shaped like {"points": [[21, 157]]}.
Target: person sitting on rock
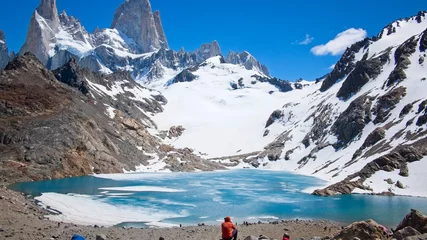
{"points": [[286, 236], [229, 231]]}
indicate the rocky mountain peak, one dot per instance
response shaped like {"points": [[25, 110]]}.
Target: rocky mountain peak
{"points": [[43, 25], [2, 38], [47, 9], [208, 50], [136, 19], [247, 60]]}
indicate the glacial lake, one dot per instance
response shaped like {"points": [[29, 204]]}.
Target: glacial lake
{"points": [[170, 199]]}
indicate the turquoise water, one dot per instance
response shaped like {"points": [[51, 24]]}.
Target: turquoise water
{"points": [[250, 195]]}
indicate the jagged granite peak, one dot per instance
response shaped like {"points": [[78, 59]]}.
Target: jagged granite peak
{"points": [[4, 52], [208, 50], [136, 19], [160, 31], [43, 25], [47, 9], [247, 60]]}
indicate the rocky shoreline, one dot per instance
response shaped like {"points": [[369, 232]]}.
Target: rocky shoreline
{"points": [[23, 219]]}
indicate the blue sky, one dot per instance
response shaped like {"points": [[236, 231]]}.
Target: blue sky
{"points": [[271, 30]]}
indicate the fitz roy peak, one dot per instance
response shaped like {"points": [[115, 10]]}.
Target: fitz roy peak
{"points": [[136, 19], [136, 42]]}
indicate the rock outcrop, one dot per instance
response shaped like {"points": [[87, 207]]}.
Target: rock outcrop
{"points": [[401, 56], [273, 117], [136, 19], [352, 121], [387, 103], [345, 65], [184, 76], [247, 60], [363, 72], [414, 219], [366, 230], [4, 52], [281, 85]]}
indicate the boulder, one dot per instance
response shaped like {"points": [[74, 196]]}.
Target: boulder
{"points": [[175, 132], [101, 237], [405, 232], [366, 230], [400, 185], [416, 220]]}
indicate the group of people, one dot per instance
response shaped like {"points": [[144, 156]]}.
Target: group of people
{"points": [[229, 232]]}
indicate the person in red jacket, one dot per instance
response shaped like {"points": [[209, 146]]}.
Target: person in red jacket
{"points": [[229, 231], [286, 237]]}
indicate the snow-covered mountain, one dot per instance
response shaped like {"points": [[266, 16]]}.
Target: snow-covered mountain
{"points": [[247, 60], [360, 125], [136, 42]]}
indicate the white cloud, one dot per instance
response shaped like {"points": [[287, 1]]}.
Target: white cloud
{"points": [[308, 39], [340, 43]]}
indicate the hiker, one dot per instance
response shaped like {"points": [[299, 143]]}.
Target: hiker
{"points": [[286, 236], [229, 231]]}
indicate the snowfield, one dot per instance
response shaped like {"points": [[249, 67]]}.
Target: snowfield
{"points": [[219, 120]]}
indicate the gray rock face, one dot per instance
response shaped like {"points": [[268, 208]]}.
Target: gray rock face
{"points": [[47, 9], [352, 121], [136, 19], [247, 60], [423, 42], [160, 30], [42, 36], [401, 56], [362, 73], [4, 52], [344, 66], [43, 25], [208, 50]]}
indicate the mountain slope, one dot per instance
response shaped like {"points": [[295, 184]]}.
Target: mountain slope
{"points": [[367, 117], [84, 124]]}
